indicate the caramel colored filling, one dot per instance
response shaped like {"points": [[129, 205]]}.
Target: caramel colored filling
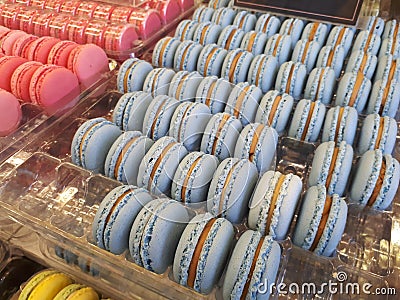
{"points": [[254, 142], [183, 57], [184, 31], [226, 183], [209, 92], [120, 198], [332, 166], [264, 30], [154, 123], [356, 89], [396, 31], [181, 124], [233, 66], [278, 40], [180, 86], [203, 34], [164, 46], [319, 83], [387, 87], [273, 202], [157, 164], [259, 70], [220, 127], [84, 138], [378, 184], [251, 42], [273, 109], [126, 76], [339, 120], [230, 37], [186, 180], [121, 155], [380, 131], [310, 113], [363, 63], [197, 251], [322, 223], [239, 102], [289, 81], [242, 22], [371, 33], [291, 27], [153, 84], [313, 31], [330, 57], [304, 56], [340, 37], [208, 60]]}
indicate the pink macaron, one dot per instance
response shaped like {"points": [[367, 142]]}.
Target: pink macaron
{"points": [[60, 52], [119, 37], [94, 32], [21, 43], [39, 49], [169, 10], [76, 30], [10, 113], [8, 64], [9, 15], [8, 40], [40, 23], [21, 78], [53, 5], [70, 7], [121, 14], [25, 18], [86, 8], [103, 11], [146, 21], [58, 26]]}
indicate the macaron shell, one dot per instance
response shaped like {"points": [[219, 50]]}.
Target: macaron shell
{"points": [[347, 87], [236, 71], [356, 63], [230, 37], [268, 24], [7, 42], [210, 60], [185, 30], [10, 113], [48, 288], [346, 40], [33, 282], [207, 33], [343, 129], [157, 81], [333, 60], [363, 37], [262, 72], [164, 52], [132, 74], [291, 79], [39, 49], [320, 85], [60, 52], [292, 27], [20, 80], [183, 86], [280, 47], [67, 291], [385, 106], [306, 52], [187, 55], [8, 64], [214, 92]]}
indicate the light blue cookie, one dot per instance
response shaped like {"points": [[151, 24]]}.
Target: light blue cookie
{"points": [[186, 56], [374, 24], [215, 4], [306, 52], [164, 52], [353, 90], [360, 61], [291, 79], [185, 30], [315, 31], [368, 42], [245, 20], [132, 74], [384, 98], [268, 24], [210, 60], [236, 66], [214, 93], [230, 37], [279, 46], [388, 68], [262, 71], [184, 85], [320, 85], [254, 42], [203, 14], [157, 81], [206, 33], [332, 57], [294, 28], [223, 16], [390, 29]]}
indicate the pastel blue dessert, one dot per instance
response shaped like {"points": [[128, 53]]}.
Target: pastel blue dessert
{"points": [[291, 78], [307, 120], [245, 20], [273, 203], [340, 125], [377, 133], [214, 93], [202, 252], [184, 85], [268, 24], [274, 110], [203, 14], [230, 37], [279, 46], [158, 116], [388, 68], [132, 74], [193, 177], [185, 30], [375, 25], [254, 261], [114, 218], [92, 142], [254, 42], [257, 142], [187, 55], [156, 232], [360, 61], [215, 4], [390, 46], [391, 29], [341, 36], [321, 222], [236, 66], [353, 90], [157, 81], [223, 16], [123, 159], [164, 52], [231, 189], [376, 180], [220, 135], [320, 85], [315, 31], [158, 166], [332, 57], [262, 71], [243, 102], [306, 52], [210, 60], [384, 98], [368, 42], [188, 124], [130, 109], [207, 33], [292, 27], [331, 167]]}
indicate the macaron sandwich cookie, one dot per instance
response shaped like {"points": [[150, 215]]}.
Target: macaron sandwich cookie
{"points": [[157, 81], [243, 102], [223, 16], [254, 42], [307, 120], [124, 157], [185, 30], [333, 57], [291, 78], [368, 42], [210, 60], [220, 135], [257, 142], [306, 52], [320, 85], [274, 110], [315, 31], [231, 37], [132, 74], [294, 28], [262, 71], [236, 66], [91, 143], [340, 125], [193, 177], [321, 222], [377, 133], [273, 203], [363, 62], [188, 123], [115, 215], [268, 24], [375, 25], [206, 33], [341, 36], [202, 252], [331, 167], [376, 180], [187, 55], [10, 113], [231, 189], [77, 291], [155, 234], [279, 46], [203, 14], [164, 52], [391, 29], [158, 166], [184, 84], [390, 46], [388, 68], [245, 20], [215, 4], [384, 98], [214, 92], [254, 261]]}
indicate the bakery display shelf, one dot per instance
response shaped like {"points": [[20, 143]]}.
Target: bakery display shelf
{"points": [[48, 204]]}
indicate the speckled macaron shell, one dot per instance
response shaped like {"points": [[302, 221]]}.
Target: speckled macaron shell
{"points": [[114, 218], [92, 142], [236, 66], [307, 120], [157, 81], [215, 4], [158, 116], [285, 191], [391, 26], [377, 133], [184, 85], [231, 189], [274, 110], [315, 31], [243, 257], [254, 42], [188, 123], [187, 55], [214, 93], [360, 61], [369, 177], [164, 52], [185, 30], [388, 68], [268, 24], [212, 256], [123, 159], [262, 72], [341, 35], [384, 98], [203, 14], [331, 167], [293, 28], [158, 166], [156, 232], [257, 142], [309, 221], [230, 37], [245, 20], [320, 85], [132, 74], [353, 90], [306, 52], [390, 46], [332, 57], [340, 125], [193, 177], [280, 47], [291, 79], [223, 16], [368, 42], [375, 25], [207, 33], [210, 60]]}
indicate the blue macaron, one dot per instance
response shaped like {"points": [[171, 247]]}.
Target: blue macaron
{"points": [[223, 16], [184, 85], [187, 55], [157, 81], [206, 33], [262, 71], [230, 37], [353, 90], [236, 66], [164, 52], [214, 93], [132, 74], [185, 30], [268, 24], [210, 60]]}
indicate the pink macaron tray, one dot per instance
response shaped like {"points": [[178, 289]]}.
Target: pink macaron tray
{"points": [[50, 204]]}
